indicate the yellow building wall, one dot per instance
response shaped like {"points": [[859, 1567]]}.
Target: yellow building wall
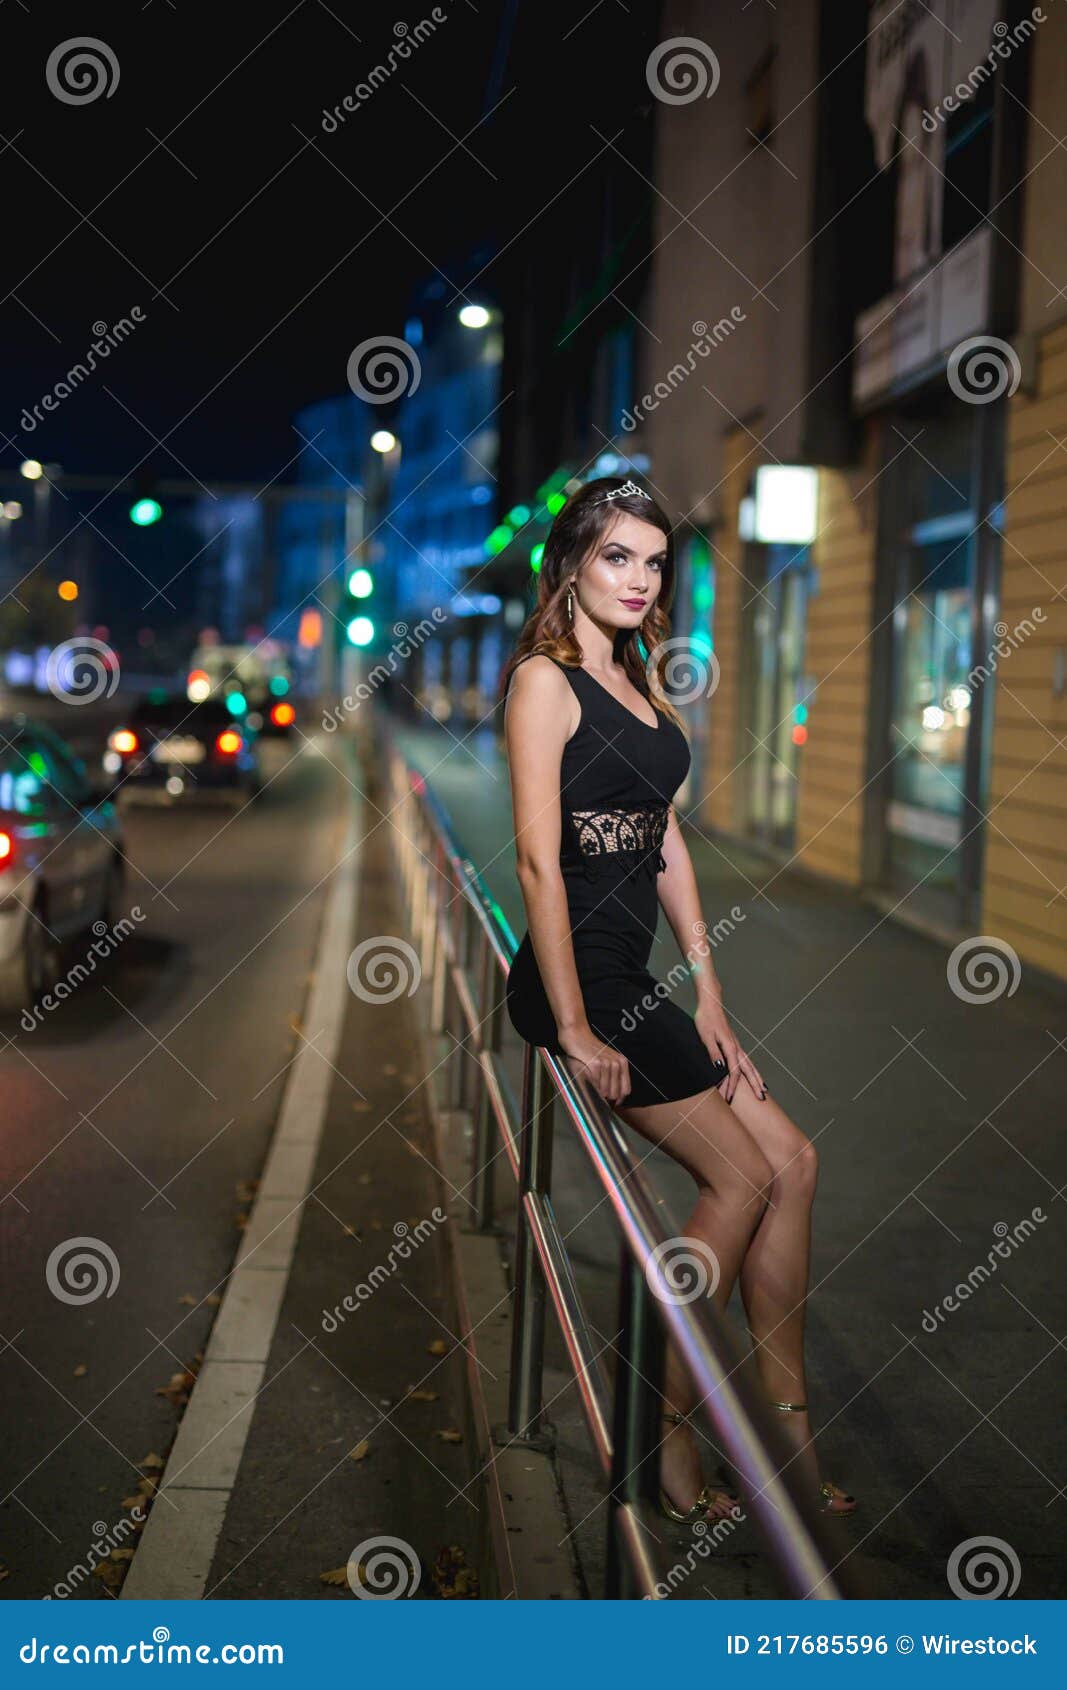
{"points": [[1026, 830], [721, 805], [829, 836]]}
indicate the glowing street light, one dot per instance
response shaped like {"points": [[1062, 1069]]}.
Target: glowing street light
{"points": [[474, 317], [383, 441], [32, 469], [68, 591]]}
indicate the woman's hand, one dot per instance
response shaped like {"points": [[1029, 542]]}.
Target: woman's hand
{"points": [[601, 1064], [718, 1036]]}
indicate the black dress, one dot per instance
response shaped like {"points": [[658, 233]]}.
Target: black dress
{"points": [[617, 779]]}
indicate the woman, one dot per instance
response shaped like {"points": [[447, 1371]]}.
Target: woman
{"points": [[596, 754]]}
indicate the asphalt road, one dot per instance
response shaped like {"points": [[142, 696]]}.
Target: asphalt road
{"points": [[132, 1115]]}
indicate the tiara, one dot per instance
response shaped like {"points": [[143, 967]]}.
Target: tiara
{"points": [[628, 489]]}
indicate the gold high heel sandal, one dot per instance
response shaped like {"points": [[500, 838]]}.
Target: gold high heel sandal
{"points": [[705, 1500], [828, 1493]]}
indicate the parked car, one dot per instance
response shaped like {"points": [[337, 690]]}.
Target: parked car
{"points": [[61, 861], [172, 751]]}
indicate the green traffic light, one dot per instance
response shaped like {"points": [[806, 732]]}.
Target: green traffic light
{"points": [[236, 703], [279, 686], [361, 583], [145, 511], [360, 630]]}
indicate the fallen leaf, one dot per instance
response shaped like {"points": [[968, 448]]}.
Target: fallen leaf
{"points": [[246, 1189], [452, 1576], [80, 1371], [421, 1396], [188, 1298], [151, 1460], [177, 1388], [361, 1451], [336, 1575], [214, 1299], [438, 1347], [132, 1501], [240, 1220], [450, 1435]]}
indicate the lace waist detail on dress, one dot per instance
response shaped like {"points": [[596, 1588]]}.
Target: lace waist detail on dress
{"points": [[628, 838]]}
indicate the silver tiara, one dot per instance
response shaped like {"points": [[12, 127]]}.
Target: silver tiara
{"points": [[628, 488]]}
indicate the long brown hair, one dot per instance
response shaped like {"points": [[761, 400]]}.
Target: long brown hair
{"points": [[574, 536]]}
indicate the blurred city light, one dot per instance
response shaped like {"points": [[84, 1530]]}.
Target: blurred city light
{"points": [[785, 504], [383, 441], [32, 469], [361, 583], [68, 590], [360, 630], [198, 686], [236, 703], [474, 317], [143, 512]]}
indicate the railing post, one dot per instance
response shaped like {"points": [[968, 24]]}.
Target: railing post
{"points": [[636, 1432], [491, 1010], [528, 1309], [439, 982]]}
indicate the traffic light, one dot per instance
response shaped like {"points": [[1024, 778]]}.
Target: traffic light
{"points": [[143, 512], [361, 584]]}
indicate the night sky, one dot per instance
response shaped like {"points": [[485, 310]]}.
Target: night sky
{"points": [[259, 247]]}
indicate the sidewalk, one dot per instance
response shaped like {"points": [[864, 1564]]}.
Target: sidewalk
{"points": [[940, 1128]]}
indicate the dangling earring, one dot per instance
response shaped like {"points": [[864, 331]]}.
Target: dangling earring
{"points": [[570, 604]]}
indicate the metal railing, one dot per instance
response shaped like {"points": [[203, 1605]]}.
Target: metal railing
{"points": [[466, 947]]}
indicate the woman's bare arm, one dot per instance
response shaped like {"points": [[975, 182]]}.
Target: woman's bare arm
{"points": [[541, 714], [680, 898]]}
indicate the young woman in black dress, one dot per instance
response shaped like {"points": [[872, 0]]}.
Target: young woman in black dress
{"points": [[596, 754]]}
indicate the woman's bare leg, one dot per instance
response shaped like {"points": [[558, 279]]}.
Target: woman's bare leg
{"points": [[733, 1177]]}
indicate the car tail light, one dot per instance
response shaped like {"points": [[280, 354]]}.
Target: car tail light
{"points": [[123, 740], [7, 849], [283, 715], [228, 742]]}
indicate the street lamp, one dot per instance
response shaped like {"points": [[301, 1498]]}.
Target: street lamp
{"points": [[474, 317], [383, 441], [32, 469]]}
